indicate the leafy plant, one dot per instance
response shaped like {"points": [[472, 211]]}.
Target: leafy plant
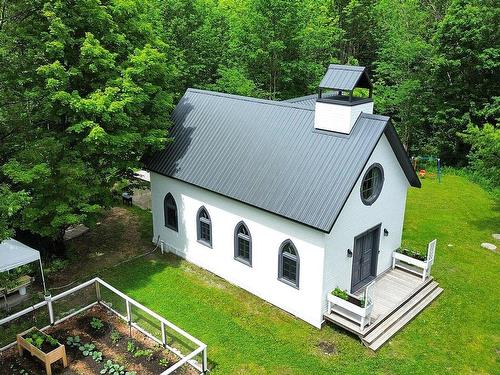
{"points": [[115, 336], [97, 356], [87, 349], [73, 341], [96, 324], [52, 341], [337, 292], [412, 254], [163, 362], [147, 353], [130, 347], [115, 369]]}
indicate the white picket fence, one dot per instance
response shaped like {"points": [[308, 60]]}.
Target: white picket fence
{"points": [[201, 348]]}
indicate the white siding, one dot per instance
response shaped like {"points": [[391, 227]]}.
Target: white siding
{"points": [[268, 231], [356, 218], [337, 117]]}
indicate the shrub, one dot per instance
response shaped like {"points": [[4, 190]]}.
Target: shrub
{"points": [[484, 154]]}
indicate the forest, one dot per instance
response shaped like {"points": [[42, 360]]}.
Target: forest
{"points": [[87, 86]]}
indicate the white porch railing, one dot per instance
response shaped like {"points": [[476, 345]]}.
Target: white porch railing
{"points": [[133, 314], [423, 266]]}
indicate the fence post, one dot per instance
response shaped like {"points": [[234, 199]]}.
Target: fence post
{"points": [[163, 335], [204, 365], [98, 291], [48, 299], [129, 314]]}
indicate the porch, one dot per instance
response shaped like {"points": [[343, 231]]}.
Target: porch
{"points": [[397, 296]]}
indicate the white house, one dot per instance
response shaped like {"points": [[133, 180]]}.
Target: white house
{"points": [[287, 200]]}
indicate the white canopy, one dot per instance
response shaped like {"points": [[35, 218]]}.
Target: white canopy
{"points": [[14, 254]]}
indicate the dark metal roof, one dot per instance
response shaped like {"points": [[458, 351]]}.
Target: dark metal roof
{"points": [[267, 154], [345, 78]]}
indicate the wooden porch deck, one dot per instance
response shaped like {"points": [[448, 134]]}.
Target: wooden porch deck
{"points": [[399, 296]]}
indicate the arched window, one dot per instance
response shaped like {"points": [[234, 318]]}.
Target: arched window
{"points": [[371, 186], [170, 212], [243, 244], [288, 268], [204, 227]]}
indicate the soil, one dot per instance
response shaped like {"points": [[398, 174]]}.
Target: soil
{"points": [[354, 301], [46, 347], [117, 352]]}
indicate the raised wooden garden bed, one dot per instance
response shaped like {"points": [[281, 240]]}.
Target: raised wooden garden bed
{"points": [[45, 349]]}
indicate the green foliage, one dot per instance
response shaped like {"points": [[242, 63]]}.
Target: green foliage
{"points": [[115, 336], [111, 368], [87, 349], [337, 292], [38, 338], [10, 204], [146, 353], [96, 324], [73, 341], [55, 265], [130, 347], [85, 93], [484, 157], [164, 362]]}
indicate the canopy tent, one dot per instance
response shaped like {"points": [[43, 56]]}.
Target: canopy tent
{"points": [[14, 254]]}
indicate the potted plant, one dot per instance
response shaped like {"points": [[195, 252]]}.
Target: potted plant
{"points": [[42, 346], [350, 306]]}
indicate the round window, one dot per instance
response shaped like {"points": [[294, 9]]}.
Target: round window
{"points": [[372, 184]]}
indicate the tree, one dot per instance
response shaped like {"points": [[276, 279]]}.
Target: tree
{"points": [[86, 92], [401, 67], [465, 74]]}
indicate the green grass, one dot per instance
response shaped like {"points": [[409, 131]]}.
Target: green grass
{"points": [[457, 334]]}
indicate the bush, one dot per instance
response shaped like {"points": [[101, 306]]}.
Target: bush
{"points": [[484, 156]]}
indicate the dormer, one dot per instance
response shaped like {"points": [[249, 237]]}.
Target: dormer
{"points": [[344, 92]]}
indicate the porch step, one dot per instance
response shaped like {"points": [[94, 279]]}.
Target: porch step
{"points": [[422, 290], [343, 322], [383, 332], [383, 323]]}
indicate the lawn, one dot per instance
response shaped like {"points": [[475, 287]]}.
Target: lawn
{"points": [[458, 333]]}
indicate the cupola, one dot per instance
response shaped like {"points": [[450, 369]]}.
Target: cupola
{"points": [[344, 92]]}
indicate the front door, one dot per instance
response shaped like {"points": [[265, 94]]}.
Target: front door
{"points": [[364, 259]]}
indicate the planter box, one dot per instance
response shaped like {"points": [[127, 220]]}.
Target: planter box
{"points": [[423, 264], [55, 354], [360, 314]]}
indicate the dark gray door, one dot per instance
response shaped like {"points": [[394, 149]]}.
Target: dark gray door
{"points": [[364, 260]]}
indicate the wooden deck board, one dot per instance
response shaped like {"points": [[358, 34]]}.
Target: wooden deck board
{"points": [[390, 289]]}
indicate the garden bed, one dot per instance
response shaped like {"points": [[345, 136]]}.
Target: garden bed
{"points": [[95, 338]]}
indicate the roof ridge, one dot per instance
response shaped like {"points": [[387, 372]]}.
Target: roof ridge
{"points": [[374, 116], [250, 99], [347, 67]]}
